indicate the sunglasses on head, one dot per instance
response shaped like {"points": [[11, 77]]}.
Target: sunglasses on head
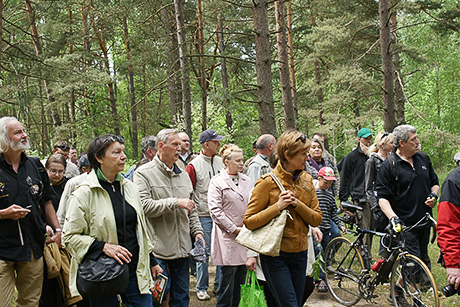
{"points": [[303, 138], [111, 139], [385, 134]]}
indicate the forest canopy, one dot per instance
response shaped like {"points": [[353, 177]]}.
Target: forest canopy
{"points": [[72, 70]]}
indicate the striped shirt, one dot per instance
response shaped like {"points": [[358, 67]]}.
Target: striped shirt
{"points": [[329, 209]]}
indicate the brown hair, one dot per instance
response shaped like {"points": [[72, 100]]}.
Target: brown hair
{"points": [[290, 143], [227, 150], [56, 158]]}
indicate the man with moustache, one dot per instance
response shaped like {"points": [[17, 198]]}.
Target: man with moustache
{"points": [[166, 193], [25, 193]]}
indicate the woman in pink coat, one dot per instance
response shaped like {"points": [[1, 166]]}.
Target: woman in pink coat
{"points": [[228, 197]]}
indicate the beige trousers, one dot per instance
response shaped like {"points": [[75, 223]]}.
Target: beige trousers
{"points": [[28, 279]]}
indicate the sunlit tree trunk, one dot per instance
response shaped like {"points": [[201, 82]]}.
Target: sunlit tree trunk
{"points": [[291, 58], [185, 79], [399, 95], [132, 94]]}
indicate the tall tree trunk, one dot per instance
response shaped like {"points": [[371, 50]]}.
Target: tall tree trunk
{"points": [[263, 69], [38, 50], [201, 67], [72, 92], [223, 71], [99, 31], [185, 79], [387, 65], [132, 94], [285, 79], [170, 64], [291, 59], [399, 95]]}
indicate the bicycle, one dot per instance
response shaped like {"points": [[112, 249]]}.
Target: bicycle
{"points": [[350, 278]]}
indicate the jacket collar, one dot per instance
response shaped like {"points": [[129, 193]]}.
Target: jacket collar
{"points": [[165, 169], [230, 182], [93, 182], [207, 158], [283, 175]]}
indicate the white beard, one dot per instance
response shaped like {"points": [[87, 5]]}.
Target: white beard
{"points": [[19, 145]]}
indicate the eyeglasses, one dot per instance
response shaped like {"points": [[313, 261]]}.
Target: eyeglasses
{"points": [[303, 138], [54, 172], [63, 147], [112, 139]]}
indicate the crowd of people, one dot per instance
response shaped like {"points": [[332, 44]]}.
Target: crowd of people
{"points": [[172, 201]]}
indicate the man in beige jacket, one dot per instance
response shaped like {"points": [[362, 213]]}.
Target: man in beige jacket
{"points": [[166, 193]]}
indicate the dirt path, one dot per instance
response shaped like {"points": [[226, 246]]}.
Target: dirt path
{"points": [[315, 300]]}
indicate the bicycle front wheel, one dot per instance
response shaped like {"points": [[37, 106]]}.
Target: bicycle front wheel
{"points": [[412, 283], [344, 265]]}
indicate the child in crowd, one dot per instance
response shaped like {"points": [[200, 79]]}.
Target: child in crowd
{"points": [[329, 209]]}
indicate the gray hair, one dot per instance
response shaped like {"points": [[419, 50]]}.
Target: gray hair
{"points": [[264, 140], [401, 133], [4, 141], [163, 135], [148, 142]]}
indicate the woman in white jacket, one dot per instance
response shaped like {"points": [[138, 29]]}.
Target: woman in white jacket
{"points": [[228, 197]]}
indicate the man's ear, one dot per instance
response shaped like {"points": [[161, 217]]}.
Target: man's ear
{"points": [[160, 144]]}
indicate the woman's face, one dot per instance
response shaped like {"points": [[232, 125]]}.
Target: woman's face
{"points": [[114, 158], [316, 151], [298, 161], [389, 145], [235, 163], [55, 172]]}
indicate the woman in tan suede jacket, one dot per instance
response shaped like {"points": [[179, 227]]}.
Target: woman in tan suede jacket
{"points": [[285, 273]]}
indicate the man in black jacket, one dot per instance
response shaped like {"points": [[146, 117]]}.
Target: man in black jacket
{"points": [[25, 193], [352, 180]]}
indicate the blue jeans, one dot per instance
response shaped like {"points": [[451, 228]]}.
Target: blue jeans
{"points": [[232, 277], [178, 281], [334, 230], [285, 277], [202, 269], [131, 298]]}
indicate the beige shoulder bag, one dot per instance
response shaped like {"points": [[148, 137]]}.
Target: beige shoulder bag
{"points": [[265, 240]]}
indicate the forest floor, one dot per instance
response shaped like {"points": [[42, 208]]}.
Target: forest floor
{"points": [[315, 300]]}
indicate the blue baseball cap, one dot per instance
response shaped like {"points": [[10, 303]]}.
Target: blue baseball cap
{"points": [[210, 135]]}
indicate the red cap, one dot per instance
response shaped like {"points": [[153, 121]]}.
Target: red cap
{"points": [[327, 173]]}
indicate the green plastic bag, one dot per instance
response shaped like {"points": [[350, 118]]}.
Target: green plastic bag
{"points": [[252, 294]]}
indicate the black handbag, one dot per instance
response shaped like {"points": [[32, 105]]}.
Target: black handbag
{"points": [[104, 276]]}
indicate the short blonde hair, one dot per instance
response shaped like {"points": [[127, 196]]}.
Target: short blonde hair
{"points": [[381, 138], [290, 143], [226, 151]]}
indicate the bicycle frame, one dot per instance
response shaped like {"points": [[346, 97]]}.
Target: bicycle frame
{"points": [[367, 281]]}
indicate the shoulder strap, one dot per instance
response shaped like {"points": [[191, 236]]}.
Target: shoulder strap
{"points": [[277, 181], [394, 172]]}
